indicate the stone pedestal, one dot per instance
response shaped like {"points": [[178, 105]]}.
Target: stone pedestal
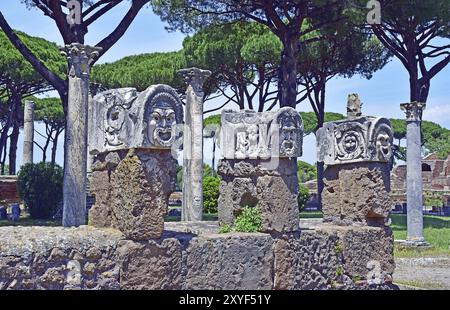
{"points": [[259, 167], [192, 205], [28, 132], [134, 171], [357, 194], [80, 58], [247, 183], [414, 183], [357, 156]]}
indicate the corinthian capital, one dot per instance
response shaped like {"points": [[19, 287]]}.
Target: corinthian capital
{"points": [[413, 111], [195, 77], [80, 58]]}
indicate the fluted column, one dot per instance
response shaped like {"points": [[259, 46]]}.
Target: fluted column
{"points": [[414, 183], [80, 58], [192, 208], [28, 132]]}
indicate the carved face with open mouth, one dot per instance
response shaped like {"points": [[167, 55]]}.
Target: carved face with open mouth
{"points": [[161, 125], [383, 145]]}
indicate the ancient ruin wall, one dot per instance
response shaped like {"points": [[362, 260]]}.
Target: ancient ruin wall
{"points": [[329, 257]]}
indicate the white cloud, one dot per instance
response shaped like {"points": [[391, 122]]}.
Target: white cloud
{"points": [[439, 114]]}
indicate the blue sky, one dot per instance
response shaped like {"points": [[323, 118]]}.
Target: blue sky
{"points": [[381, 95]]}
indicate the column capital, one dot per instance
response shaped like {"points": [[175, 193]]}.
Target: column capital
{"points": [[80, 58], [413, 110], [195, 77], [29, 104]]}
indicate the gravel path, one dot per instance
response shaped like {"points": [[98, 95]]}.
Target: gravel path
{"points": [[423, 272]]}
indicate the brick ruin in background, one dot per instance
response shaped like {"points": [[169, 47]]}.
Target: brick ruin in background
{"points": [[435, 176], [357, 155], [259, 166], [133, 171]]}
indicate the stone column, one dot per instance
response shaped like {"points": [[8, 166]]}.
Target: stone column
{"points": [[79, 58], [28, 131], [192, 208], [414, 184]]}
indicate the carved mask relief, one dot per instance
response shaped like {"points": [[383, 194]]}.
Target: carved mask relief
{"points": [[115, 119], [161, 118], [383, 146], [291, 132], [350, 143], [162, 122]]}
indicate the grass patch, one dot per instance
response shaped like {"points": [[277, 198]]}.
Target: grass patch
{"points": [[311, 215], [206, 217], [421, 284], [27, 221], [436, 231]]}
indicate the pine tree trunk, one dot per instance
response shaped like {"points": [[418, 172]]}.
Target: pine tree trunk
{"points": [[288, 73], [14, 138]]}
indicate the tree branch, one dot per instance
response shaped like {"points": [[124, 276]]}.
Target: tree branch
{"points": [[39, 66], [114, 36]]}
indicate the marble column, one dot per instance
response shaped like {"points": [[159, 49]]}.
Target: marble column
{"points": [[28, 132], [414, 184], [80, 58], [192, 207]]}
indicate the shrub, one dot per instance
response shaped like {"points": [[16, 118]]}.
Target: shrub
{"points": [[249, 220], [225, 229], [40, 186], [210, 194], [303, 196]]}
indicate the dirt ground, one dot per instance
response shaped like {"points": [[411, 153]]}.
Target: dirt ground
{"points": [[423, 272]]}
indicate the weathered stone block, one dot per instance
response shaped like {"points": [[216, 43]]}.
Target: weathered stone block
{"points": [[231, 261], [357, 194], [141, 186], [150, 265], [306, 260], [250, 183], [100, 214], [41, 258]]}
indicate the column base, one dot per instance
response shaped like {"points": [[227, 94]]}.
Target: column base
{"points": [[415, 244]]}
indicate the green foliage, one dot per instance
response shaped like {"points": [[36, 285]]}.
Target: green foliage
{"points": [[436, 231], [433, 198], [339, 271], [237, 54], [225, 229], [303, 196], [306, 172], [141, 71], [249, 220], [212, 120], [49, 110], [40, 186], [211, 186], [310, 120], [19, 70], [208, 171], [436, 139]]}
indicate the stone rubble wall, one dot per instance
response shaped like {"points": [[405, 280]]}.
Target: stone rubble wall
{"points": [[327, 257]]}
